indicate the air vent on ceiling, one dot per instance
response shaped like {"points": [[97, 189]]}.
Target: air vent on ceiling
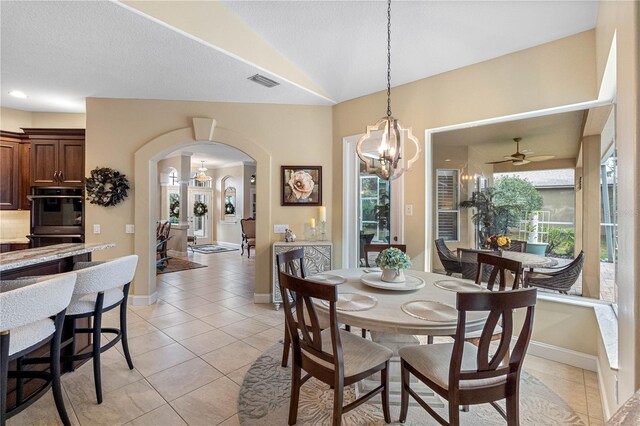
{"points": [[261, 79]]}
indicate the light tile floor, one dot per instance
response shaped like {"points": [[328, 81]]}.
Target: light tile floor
{"points": [[192, 349]]}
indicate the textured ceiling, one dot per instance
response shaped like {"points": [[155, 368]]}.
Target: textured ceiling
{"points": [[557, 134], [213, 154], [59, 53]]}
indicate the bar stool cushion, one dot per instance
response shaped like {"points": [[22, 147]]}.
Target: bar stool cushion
{"points": [[358, 354], [30, 334], [82, 304], [433, 362]]}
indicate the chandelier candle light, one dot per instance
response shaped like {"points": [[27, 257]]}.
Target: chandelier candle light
{"points": [[201, 176], [393, 133]]}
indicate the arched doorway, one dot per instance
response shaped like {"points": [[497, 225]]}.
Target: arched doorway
{"points": [[146, 196]]}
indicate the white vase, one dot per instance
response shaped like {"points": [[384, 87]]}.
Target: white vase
{"points": [[393, 275]]}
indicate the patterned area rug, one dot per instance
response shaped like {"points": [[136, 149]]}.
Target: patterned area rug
{"points": [[176, 265], [210, 248], [264, 401]]}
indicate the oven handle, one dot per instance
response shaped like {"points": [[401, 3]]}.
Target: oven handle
{"points": [[33, 197], [55, 236]]}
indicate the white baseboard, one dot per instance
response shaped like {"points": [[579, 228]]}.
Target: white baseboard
{"points": [[225, 244], [261, 297], [143, 300], [603, 397], [565, 356]]}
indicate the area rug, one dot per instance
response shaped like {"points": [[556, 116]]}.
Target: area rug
{"points": [[176, 265], [210, 248], [265, 391]]}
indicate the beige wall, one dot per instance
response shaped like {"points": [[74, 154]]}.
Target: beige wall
{"points": [[13, 119], [623, 18], [14, 224], [288, 134], [549, 75]]}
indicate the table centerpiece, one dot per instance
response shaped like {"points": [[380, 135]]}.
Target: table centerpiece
{"points": [[393, 262]]}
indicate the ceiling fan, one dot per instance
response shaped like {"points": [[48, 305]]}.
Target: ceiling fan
{"points": [[519, 158]]}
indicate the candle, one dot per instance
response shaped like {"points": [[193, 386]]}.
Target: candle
{"points": [[312, 222], [322, 213]]}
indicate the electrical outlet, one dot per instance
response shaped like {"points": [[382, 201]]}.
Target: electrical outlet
{"points": [[129, 229], [96, 228], [280, 229], [408, 210]]}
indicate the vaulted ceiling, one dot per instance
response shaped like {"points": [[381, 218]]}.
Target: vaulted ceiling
{"points": [[321, 52]]}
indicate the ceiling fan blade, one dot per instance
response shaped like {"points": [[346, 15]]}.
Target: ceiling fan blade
{"points": [[541, 157], [498, 162], [510, 157], [520, 162]]}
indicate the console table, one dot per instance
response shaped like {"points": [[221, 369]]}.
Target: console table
{"points": [[317, 258]]}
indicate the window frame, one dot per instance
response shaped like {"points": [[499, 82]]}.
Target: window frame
{"points": [[456, 210]]}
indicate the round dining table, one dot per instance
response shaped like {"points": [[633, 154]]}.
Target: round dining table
{"points": [[387, 315], [529, 260], [391, 326]]}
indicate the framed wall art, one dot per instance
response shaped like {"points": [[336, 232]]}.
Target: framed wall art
{"points": [[301, 185]]}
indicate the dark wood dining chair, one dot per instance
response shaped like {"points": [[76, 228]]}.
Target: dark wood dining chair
{"points": [[469, 263], [517, 245], [498, 267], [333, 356], [291, 262], [377, 248], [464, 374]]}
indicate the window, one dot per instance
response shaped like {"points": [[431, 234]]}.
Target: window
{"points": [[448, 213]]}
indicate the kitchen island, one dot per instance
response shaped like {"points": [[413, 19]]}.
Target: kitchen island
{"points": [[48, 260]]}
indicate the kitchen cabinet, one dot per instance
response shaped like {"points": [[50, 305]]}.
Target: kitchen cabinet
{"points": [[57, 157], [14, 171]]}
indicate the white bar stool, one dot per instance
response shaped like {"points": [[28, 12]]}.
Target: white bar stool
{"points": [[100, 287], [31, 314]]}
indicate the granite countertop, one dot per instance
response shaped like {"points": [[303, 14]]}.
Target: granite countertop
{"points": [[21, 258]]}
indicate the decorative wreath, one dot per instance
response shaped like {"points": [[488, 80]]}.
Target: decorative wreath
{"points": [[174, 208], [199, 209], [106, 187], [229, 208]]}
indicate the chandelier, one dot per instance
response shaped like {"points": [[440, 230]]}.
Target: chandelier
{"points": [[386, 164], [201, 176]]}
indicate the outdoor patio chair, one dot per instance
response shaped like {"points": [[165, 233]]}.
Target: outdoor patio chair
{"points": [[449, 260], [558, 279], [517, 245], [469, 263]]}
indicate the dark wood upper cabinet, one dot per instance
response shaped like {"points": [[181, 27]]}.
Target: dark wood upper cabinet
{"points": [[57, 157], [14, 171], [9, 175]]}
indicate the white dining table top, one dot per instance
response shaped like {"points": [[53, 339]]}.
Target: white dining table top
{"points": [[387, 315], [529, 260]]}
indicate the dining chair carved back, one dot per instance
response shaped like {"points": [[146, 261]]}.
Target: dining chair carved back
{"points": [[498, 271], [465, 374], [377, 248], [248, 228], [333, 356], [291, 262]]}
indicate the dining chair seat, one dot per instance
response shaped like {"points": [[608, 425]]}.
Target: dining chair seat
{"points": [[87, 303], [30, 334], [359, 355], [432, 361]]}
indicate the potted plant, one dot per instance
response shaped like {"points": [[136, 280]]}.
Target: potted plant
{"points": [[393, 262]]}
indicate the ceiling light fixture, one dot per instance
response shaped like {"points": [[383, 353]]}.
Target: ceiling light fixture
{"points": [[386, 166], [18, 94], [201, 176]]}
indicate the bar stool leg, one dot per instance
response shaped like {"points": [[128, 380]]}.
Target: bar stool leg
{"points": [[4, 375], [123, 331], [97, 326], [55, 371]]}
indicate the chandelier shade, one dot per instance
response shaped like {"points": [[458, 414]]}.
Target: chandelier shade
{"points": [[201, 176], [386, 162]]}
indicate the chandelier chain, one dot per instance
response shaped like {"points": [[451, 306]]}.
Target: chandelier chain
{"points": [[389, 58]]}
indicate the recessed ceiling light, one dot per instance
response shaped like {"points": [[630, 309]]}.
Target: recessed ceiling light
{"points": [[18, 94]]}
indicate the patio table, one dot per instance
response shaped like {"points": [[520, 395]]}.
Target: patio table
{"points": [[529, 260]]}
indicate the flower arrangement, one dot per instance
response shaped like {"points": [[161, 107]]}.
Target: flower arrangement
{"points": [[393, 258], [496, 242]]}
